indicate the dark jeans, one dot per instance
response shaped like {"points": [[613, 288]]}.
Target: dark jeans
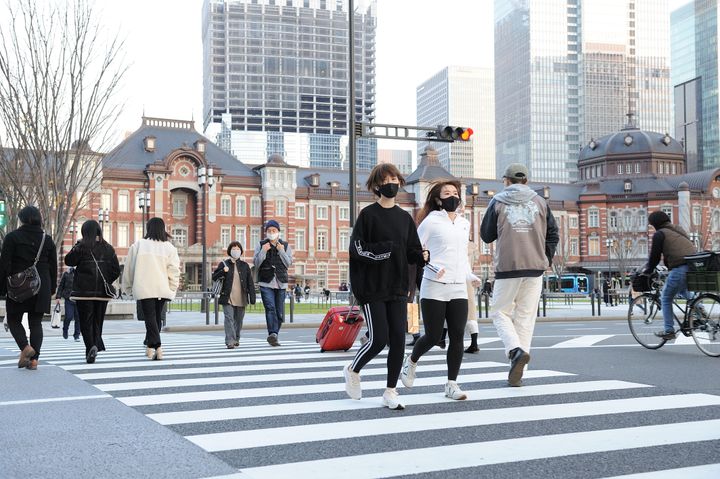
{"points": [[92, 316], [386, 322], [152, 310], [274, 303], [435, 314], [18, 332], [71, 314]]}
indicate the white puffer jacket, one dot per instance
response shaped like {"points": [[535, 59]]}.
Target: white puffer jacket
{"points": [[152, 270]]}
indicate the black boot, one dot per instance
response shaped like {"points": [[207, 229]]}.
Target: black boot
{"points": [[473, 348], [414, 340]]}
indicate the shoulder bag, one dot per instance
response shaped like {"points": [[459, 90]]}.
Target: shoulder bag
{"points": [[109, 289], [25, 284], [217, 285]]}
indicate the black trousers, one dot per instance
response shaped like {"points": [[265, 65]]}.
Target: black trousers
{"points": [[18, 332], [386, 322], [92, 316], [435, 314], [152, 310]]}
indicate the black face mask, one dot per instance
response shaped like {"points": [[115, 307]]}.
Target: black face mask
{"points": [[450, 203], [389, 190]]}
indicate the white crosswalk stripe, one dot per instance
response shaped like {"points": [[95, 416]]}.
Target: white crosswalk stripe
{"points": [[283, 412]]}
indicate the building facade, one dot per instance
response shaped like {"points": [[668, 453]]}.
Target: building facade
{"points": [[400, 158], [275, 79], [602, 217], [568, 71], [694, 53], [461, 96]]}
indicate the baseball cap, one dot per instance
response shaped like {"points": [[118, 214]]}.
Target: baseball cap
{"points": [[517, 171]]}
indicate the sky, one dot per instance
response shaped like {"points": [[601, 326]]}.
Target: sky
{"points": [[415, 39]]}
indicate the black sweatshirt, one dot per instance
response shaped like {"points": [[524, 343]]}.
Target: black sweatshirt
{"points": [[383, 242]]}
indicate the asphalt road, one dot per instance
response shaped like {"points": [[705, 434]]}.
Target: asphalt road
{"points": [[594, 404]]}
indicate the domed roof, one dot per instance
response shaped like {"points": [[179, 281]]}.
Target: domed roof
{"points": [[631, 141]]}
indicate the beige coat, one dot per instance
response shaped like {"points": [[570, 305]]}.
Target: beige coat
{"points": [[152, 270]]}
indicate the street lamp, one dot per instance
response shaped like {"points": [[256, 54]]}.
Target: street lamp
{"points": [[103, 217], [694, 237], [205, 181], [144, 205], [609, 243]]}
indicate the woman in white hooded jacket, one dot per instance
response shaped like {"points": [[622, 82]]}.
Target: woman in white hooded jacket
{"points": [[443, 292], [152, 274]]}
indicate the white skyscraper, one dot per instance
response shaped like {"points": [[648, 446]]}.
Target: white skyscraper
{"points": [[567, 71], [461, 96]]}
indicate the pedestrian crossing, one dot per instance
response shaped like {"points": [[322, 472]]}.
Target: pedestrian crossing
{"points": [[283, 412]]}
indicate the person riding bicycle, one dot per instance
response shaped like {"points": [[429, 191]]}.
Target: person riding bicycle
{"points": [[673, 244]]}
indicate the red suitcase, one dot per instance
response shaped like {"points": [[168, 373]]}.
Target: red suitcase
{"points": [[339, 328]]}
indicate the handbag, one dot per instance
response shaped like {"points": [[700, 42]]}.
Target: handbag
{"points": [[217, 285], [55, 318], [25, 284], [109, 289]]}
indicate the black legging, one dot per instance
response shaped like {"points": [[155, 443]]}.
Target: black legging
{"points": [[17, 330], [386, 322], [92, 316], [435, 313]]}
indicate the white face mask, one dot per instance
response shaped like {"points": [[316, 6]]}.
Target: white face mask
{"points": [[273, 236], [235, 253]]}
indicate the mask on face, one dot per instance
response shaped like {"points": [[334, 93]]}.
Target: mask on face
{"points": [[450, 203], [389, 190], [273, 236], [235, 253]]}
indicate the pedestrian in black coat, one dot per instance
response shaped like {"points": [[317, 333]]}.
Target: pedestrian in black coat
{"points": [[237, 292], [95, 264], [18, 253]]}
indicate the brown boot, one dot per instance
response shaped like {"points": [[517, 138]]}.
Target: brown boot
{"points": [[25, 356], [32, 365]]}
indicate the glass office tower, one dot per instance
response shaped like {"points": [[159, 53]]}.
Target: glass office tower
{"points": [[694, 50], [461, 96], [275, 79], [571, 70]]}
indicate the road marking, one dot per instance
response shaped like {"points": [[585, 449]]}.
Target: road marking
{"points": [[583, 341], [708, 471], [313, 407], [386, 464], [248, 439], [60, 399], [153, 399]]}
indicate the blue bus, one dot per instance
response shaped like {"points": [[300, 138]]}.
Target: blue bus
{"points": [[569, 283]]}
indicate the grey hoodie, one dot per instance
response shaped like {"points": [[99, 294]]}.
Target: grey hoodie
{"points": [[524, 230]]}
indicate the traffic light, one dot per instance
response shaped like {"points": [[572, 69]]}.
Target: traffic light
{"points": [[452, 133], [3, 214]]}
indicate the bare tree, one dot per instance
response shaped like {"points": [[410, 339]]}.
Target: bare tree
{"points": [[58, 84], [625, 238]]}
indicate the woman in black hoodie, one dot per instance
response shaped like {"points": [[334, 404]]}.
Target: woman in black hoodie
{"points": [[384, 240], [96, 265], [19, 251]]}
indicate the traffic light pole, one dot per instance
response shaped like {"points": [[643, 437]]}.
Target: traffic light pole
{"points": [[405, 132], [351, 112]]}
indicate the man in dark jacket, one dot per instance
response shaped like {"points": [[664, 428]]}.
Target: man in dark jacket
{"points": [[673, 244], [526, 235], [63, 292]]}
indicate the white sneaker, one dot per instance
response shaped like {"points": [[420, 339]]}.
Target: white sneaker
{"points": [[453, 391], [391, 399], [352, 383], [407, 373]]}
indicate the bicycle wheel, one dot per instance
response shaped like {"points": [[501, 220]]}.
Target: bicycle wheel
{"points": [[704, 323], [645, 319]]}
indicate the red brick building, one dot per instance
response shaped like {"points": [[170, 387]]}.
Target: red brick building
{"points": [[604, 213]]}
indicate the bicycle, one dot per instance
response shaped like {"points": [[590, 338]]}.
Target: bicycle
{"points": [[701, 317]]}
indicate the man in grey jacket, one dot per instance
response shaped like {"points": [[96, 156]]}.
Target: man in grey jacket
{"points": [[526, 235]]}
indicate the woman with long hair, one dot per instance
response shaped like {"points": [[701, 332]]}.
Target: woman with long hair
{"points": [[27, 245], [152, 275], [237, 292], [443, 293], [383, 242], [96, 268]]}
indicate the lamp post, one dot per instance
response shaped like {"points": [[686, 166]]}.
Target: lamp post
{"points": [[144, 205], [609, 244], [205, 181], [103, 217]]}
